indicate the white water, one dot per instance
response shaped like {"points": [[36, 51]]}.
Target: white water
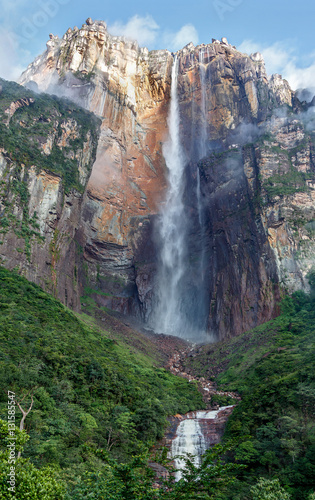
{"points": [[168, 317], [189, 438], [180, 306]]}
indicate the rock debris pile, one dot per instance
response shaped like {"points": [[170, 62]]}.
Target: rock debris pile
{"points": [[207, 387]]}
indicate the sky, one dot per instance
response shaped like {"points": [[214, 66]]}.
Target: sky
{"points": [[282, 30]]}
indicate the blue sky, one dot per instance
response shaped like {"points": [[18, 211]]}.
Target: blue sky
{"points": [[281, 30]]}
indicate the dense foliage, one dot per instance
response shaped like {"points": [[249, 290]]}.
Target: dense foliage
{"points": [[90, 393], [112, 480], [272, 367], [99, 405]]}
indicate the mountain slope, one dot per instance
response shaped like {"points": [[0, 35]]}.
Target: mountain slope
{"points": [[96, 398], [88, 389]]}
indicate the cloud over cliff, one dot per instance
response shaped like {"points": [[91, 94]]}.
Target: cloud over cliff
{"points": [[148, 33], [281, 58], [143, 29]]}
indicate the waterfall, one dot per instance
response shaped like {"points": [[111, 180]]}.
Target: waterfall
{"points": [[172, 228], [190, 438], [180, 301]]}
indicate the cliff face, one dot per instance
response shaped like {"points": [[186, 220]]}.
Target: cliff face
{"points": [[249, 174], [46, 154], [259, 204], [127, 87]]}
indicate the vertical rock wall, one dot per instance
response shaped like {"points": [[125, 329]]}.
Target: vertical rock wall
{"points": [[256, 173], [46, 154]]}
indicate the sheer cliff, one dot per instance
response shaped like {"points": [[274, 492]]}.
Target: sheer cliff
{"points": [[47, 149], [249, 178]]}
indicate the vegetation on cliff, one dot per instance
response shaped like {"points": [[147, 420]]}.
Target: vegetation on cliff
{"points": [[39, 133], [30, 121]]}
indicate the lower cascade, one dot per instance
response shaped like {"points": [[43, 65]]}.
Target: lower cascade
{"points": [[194, 435], [189, 439]]}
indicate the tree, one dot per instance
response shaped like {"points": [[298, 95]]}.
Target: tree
{"points": [[26, 482], [24, 413], [205, 481], [136, 480], [311, 280], [267, 489]]}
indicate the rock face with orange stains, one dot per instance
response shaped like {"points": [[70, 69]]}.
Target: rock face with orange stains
{"points": [[128, 88], [251, 240]]}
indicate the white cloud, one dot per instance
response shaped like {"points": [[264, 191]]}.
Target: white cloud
{"points": [[143, 29], [178, 40], [11, 56], [276, 56], [300, 77], [11, 8], [281, 58], [21, 28], [11, 64], [148, 33]]}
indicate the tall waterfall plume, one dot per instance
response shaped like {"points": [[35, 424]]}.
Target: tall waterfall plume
{"points": [[168, 317], [181, 302]]}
